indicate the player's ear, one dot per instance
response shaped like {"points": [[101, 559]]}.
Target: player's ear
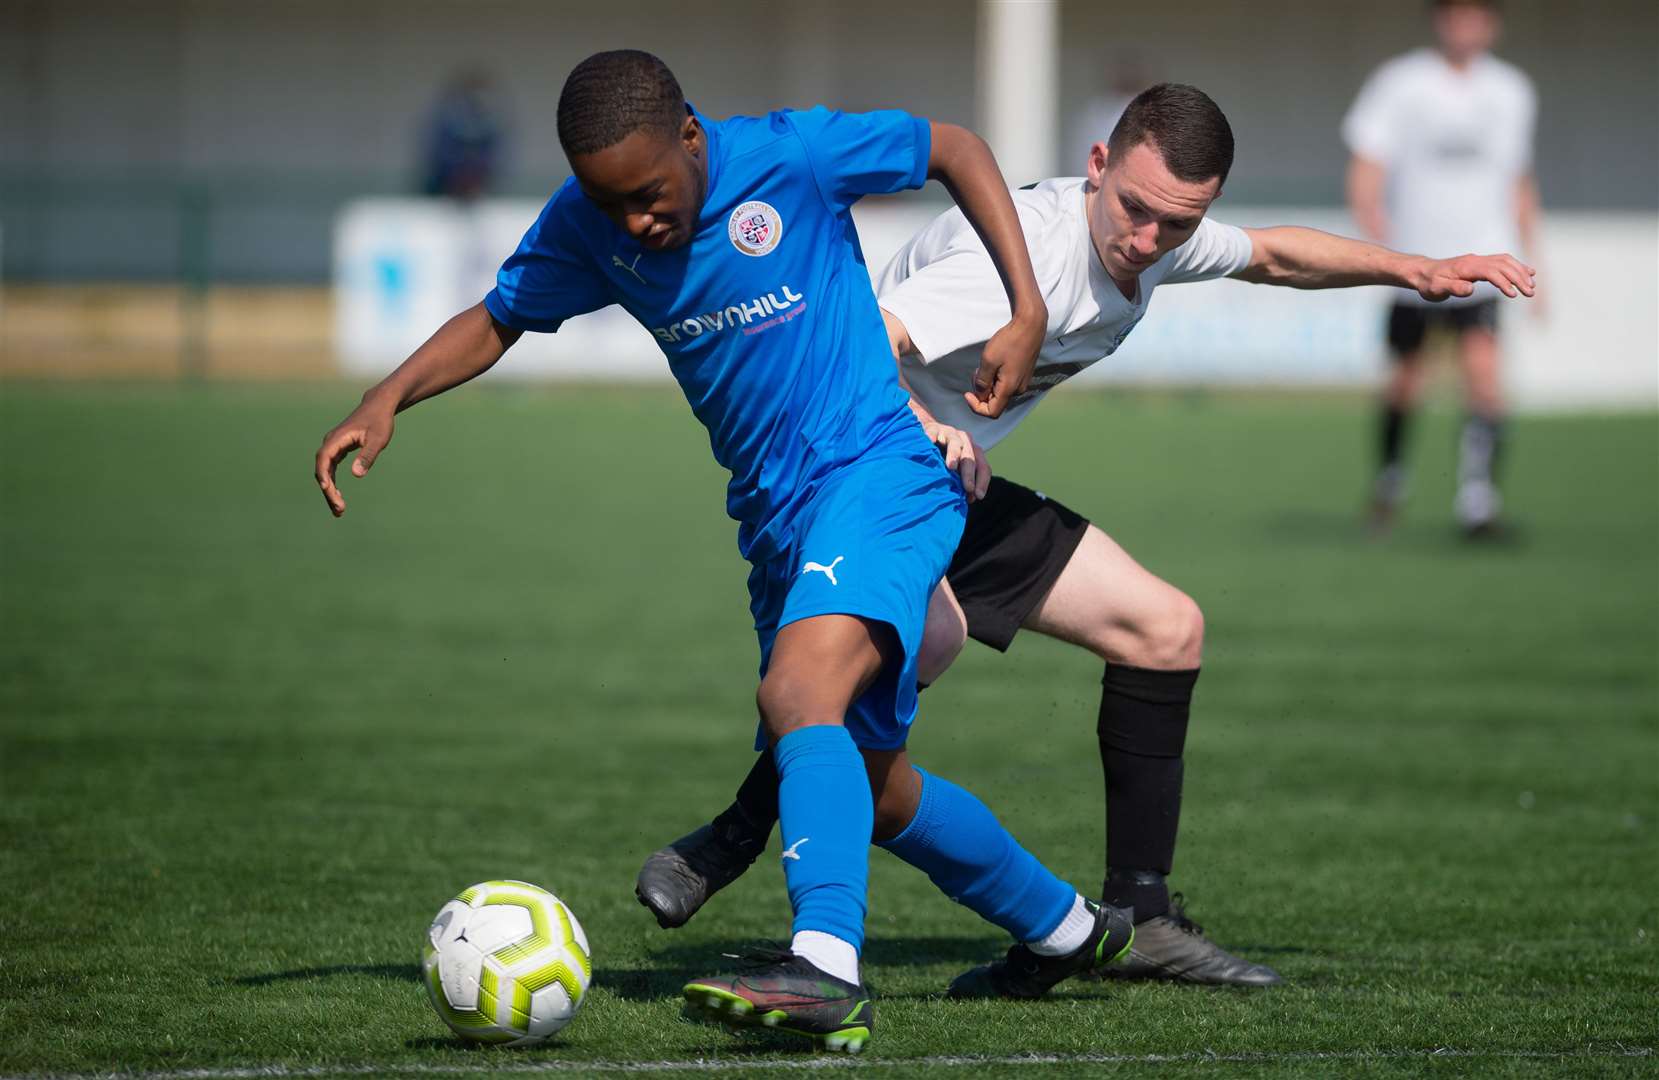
{"points": [[691, 134], [1097, 162]]}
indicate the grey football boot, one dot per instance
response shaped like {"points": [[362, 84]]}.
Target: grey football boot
{"points": [[679, 879], [1173, 947]]}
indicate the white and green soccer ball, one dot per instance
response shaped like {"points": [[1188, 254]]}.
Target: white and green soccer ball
{"points": [[506, 962]]}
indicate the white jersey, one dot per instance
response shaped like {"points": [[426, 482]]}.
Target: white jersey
{"points": [[1455, 145], [945, 289]]}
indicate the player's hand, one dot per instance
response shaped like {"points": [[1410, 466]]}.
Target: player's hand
{"points": [[1005, 366], [963, 456], [369, 427], [1441, 279]]}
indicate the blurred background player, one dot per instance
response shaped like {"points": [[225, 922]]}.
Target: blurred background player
{"points": [[464, 139], [1441, 143]]}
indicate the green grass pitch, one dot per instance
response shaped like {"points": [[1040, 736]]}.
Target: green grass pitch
{"points": [[246, 750]]}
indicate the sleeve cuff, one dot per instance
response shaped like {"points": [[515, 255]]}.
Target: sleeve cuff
{"points": [[929, 346], [497, 307], [1365, 144]]}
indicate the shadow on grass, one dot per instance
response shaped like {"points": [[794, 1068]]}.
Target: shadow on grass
{"points": [[671, 968], [405, 972], [455, 1042], [743, 1044]]}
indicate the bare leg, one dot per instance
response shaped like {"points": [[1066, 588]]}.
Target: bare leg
{"points": [[1109, 604], [896, 789], [1151, 636], [818, 667], [943, 636]]}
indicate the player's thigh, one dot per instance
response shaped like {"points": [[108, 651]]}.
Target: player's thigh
{"points": [[1408, 328], [818, 666], [943, 636], [1110, 604]]}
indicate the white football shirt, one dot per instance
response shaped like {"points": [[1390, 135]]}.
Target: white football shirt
{"points": [[1454, 144], [944, 288]]}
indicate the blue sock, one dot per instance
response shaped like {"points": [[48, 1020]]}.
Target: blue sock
{"points": [[961, 846], [825, 816]]}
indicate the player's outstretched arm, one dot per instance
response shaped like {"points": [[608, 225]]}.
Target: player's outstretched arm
{"points": [[1310, 259], [464, 347], [962, 162]]}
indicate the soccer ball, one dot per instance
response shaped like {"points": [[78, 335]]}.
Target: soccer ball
{"points": [[506, 962]]}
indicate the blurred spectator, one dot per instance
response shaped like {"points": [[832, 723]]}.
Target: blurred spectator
{"points": [[464, 138], [1122, 77], [1441, 140]]}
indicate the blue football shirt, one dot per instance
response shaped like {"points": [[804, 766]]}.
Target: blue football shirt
{"points": [[766, 317]]}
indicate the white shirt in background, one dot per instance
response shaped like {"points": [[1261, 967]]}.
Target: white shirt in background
{"points": [[944, 288], [1455, 144]]}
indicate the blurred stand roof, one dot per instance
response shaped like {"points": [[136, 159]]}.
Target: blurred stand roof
{"points": [[218, 137]]}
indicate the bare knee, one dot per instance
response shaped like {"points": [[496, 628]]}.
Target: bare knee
{"points": [[1183, 641], [1405, 382], [1169, 637], [788, 703], [1483, 396], [943, 637]]}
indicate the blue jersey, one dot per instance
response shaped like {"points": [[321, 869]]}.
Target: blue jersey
{"points": [[766, 317]]}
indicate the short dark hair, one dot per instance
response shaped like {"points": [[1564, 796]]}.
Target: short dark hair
{"points": [[1188, 129], [611, 95]]}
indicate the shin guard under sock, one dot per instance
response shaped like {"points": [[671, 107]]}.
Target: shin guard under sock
{"points": [[826, 814], [1143, 733]]}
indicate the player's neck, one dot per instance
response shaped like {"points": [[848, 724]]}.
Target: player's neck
{"points": [[1461, 64], [1127, 288]]}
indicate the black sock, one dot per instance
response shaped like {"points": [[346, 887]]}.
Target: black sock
{"points": [[749, 821], [1143, 732], [1143, 893], [1391, 436]]}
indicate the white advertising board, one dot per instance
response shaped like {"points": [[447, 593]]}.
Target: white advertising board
{"points": [[403, 266]]}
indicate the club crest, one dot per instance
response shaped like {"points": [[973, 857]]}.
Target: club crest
{"points": [[755, 228]]}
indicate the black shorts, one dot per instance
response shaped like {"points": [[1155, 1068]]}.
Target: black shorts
{"points": [[1013, 548], [1408, 324]]}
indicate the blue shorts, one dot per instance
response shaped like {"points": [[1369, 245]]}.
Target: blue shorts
{"points": [[873, 542]]}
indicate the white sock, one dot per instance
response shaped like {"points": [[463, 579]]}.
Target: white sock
{"points": [[1070, 935], [829, 954]]}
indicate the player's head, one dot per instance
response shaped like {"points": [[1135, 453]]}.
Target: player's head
{"points": [[635, 148], [1156, 176], [1465, 28]]}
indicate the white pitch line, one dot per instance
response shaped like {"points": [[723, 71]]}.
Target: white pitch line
{"points": [[289, 1072]]}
